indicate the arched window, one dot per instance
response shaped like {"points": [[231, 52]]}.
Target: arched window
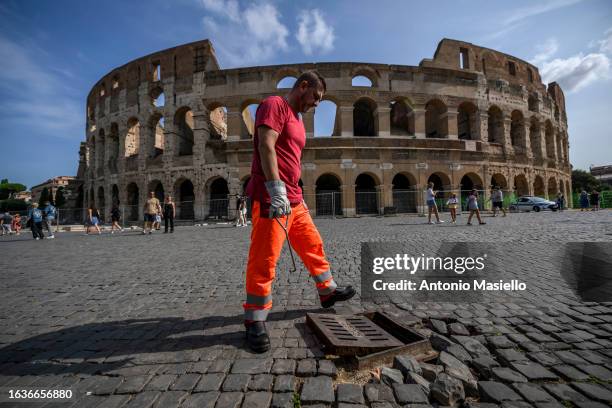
{"points": [[405, 193], [361, 80], [218, 122], [402, 118], [286, 82], [248, 121], [328, 195], [517, 129], [184, 131], [326, 119], [364, 118], [466, 121], [495, 125], [366, 195], [132, 138], [436, 124]]}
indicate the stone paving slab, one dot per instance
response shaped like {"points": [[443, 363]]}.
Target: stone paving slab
{"points": [[132, 320]]}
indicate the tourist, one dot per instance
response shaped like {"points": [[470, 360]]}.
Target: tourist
{"points": [[17, 224], [157, 222], [452, 203], [584, 200], [49, 217], [595, 200], [93, 219], [278, 208], [473, 207], [151, 209], [169, 214], [6, 221], [35, 220], [431, 204], [242, 211], [560, 200], [497, 198], [115, 218]]}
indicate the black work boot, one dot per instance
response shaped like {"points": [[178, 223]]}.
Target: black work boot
{"points": [[340, 294], [257, 336]]}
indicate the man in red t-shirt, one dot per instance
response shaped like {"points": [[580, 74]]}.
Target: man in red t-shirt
{"points": [[277, 198]]}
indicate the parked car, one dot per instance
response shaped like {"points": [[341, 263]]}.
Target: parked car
{"points": [[537, 204]]}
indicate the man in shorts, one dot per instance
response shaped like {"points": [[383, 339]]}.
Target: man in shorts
{"points": [[497, 198], [152, 207], [278, 207]]}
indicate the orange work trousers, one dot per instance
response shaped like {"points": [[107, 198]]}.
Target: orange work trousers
{"points": [[267, 238]]}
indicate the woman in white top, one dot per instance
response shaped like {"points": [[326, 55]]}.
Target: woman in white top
{"points": [[452, 204], [473, 207], [431, 204]]}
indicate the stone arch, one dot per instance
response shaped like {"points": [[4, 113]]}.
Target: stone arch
{"points": [[365, 117], [402, 117], [367, 72], [184, 194], [183, 128], [327, 118], [538, 186], [404, 192], [328, 191], [158, 99], [157, 187], [520, 185], [156, 135], [436, 125], [133, 197], [99, 150], [284, 73], [552, 188], [114, 144], [366, 194], [517, 129], [218, 197], [217, 121], [532, 103], [286, 82], [471, 180], [495, 123], [115, 195], [132, 137], [101, 200], [91, 199], [549, 138], [499, 180], [442, 184], [535, 138], [361, 81], [467, 124], [248, 111]]}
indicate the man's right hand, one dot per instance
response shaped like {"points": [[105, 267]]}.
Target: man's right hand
{"points": [[279, 203]]}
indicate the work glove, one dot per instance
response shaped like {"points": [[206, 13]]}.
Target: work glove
{"points": [[279, 203]]}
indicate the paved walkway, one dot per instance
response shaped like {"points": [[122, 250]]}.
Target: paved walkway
{"points": [[139, 321]]}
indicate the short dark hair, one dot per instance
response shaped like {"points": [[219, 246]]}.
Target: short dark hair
{"points": [[313, 78]]}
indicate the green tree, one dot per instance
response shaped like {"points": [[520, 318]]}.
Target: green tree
{"points": [[6, 188], [583, 180], [44, 196], [60, 199]]}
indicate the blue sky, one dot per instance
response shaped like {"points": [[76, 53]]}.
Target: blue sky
{"points": [[51, 53]]}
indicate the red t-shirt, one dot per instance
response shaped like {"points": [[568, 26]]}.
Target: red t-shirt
{"points": [[275, 113]]}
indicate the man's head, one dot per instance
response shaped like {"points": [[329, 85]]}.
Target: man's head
{"points": [[308, 91], [151, 194]]}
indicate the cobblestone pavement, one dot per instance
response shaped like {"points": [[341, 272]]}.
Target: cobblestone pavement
{"points": [[140, 321]]}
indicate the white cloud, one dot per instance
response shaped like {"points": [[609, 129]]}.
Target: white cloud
{"points": [[37, 97], [545, 51], [536, 9], [575, 73], [605, 45], [314, 34], [226, 8], [578, 71], [250, 36]]}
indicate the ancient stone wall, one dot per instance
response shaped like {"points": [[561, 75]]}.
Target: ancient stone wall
{"points": [[174, 123]]}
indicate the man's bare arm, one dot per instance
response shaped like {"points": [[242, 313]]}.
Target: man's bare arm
{"points": [[267, 154]]}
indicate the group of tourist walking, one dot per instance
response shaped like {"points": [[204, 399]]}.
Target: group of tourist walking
{"points": [[592, 200], [453, 203]]}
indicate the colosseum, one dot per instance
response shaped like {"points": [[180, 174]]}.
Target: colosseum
{"points": [[471, 117]]}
